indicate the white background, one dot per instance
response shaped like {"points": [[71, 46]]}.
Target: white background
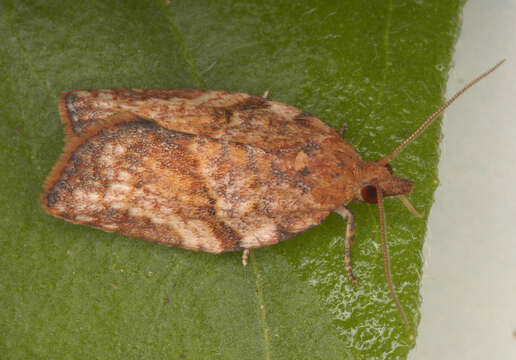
{"points": [[469, 281]]}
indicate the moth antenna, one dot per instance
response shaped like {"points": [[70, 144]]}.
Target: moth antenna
{"points": [[379, 196], [429, 120]]}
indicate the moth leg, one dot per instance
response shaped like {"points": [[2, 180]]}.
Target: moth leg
{"points": [[343, 129], [350, 238], [245, 256], [265, 94]]}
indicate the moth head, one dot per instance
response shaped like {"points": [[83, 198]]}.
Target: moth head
{"points": [[382, 179]]}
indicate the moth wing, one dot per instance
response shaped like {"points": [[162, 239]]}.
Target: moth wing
{"points": [[82, 110], [237, 117], [132, 176]]}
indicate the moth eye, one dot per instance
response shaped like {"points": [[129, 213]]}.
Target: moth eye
{"points": [[389, 168], [369, 194]]}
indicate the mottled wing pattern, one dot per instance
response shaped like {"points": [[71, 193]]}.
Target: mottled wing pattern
{"points": [[238, 117], [133, 176]]}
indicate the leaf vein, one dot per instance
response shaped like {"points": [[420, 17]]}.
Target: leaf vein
{"points": [[183, 48], [261, 308], [386, 47]]}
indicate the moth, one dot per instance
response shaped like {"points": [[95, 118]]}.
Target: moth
{"points": [[212, 171]]}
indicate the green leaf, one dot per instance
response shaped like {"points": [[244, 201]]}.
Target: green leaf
{"points": [[69, 291]]}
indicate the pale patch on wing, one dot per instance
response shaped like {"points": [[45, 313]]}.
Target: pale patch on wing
{"points": [[86, 201], [107, 156], [117, 195], [84, 218], [260, 235], [119, 149], [207, 97], [105, 96], [196, 235], [287, 111], [110, 227], [136, 211], [107, 160], [124, 176]]}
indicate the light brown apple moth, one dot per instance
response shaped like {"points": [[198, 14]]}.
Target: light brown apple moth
{"points": [[213, 171]]}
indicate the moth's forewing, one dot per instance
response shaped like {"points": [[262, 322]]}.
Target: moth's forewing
{"points": [[204, 170]]}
